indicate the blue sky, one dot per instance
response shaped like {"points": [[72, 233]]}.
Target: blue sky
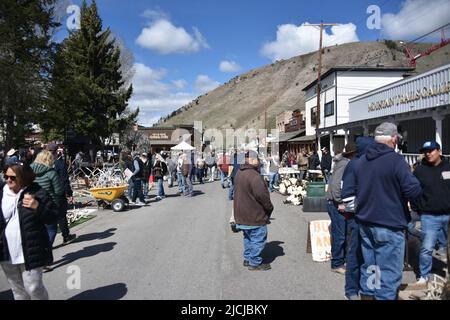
{"points": [[184, 48]]}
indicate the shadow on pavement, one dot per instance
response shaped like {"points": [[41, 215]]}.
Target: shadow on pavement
{"points": [[112, 292], [173, 195], [197, 193], [272, 250], [86, 252], [6, 295], [95, 236], [90, 236]]}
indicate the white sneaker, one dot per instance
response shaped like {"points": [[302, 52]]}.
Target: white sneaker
{"points": [[422, 281], [138, 203]]}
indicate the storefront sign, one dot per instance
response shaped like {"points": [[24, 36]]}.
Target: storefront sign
{"points": [[159, 136], [426, 92], [320, 240]]}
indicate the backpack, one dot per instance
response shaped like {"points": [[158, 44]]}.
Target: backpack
{"points": [[158, 170]]}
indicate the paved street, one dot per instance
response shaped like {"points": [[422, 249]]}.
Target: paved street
{"points": [[182, 248]]}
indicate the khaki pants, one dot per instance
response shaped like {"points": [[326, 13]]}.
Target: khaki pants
{"points": [[25, 285]]}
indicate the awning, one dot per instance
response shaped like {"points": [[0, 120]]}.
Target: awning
{"points": [[183, 146], [304, 139], [283, 137]]}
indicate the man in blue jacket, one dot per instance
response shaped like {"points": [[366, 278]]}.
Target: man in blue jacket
{"points": [[354, 258], [384, 185]]}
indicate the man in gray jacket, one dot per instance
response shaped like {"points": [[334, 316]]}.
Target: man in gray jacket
{"points": [[338, 225]]}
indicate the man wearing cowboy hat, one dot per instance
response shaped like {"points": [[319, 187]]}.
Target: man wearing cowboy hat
{"points": [[11, 157]]}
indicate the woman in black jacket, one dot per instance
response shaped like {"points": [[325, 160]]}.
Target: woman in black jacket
{"points": [[24, 243]]}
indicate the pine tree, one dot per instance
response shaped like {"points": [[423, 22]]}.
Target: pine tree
{"points": [[25, 62], [88, 86]]}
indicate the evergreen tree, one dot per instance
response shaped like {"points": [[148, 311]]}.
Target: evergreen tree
{"points": [[88, 92], [25, 64]]}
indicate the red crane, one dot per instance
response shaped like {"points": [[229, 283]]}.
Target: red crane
{"points": [[413, 58]]}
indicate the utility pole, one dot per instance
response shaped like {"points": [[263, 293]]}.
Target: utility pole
{"points": [[265, 119], [319, 74]]}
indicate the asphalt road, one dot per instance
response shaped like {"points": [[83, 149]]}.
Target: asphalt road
{"points": [[183, 249]]}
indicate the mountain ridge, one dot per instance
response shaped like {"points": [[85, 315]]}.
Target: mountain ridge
{"points": [[243, 101]]}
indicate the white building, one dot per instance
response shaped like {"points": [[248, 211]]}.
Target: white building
{"points": [[419, 105], [338, 86]]}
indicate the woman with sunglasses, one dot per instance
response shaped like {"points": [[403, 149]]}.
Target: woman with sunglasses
{"points": [[24, 247]]}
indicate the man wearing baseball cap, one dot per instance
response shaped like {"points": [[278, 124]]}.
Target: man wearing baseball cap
{"points": [[384, 185], [434, 206]]}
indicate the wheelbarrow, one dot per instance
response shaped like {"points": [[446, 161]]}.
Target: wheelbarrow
{"points": [[113, 196]]}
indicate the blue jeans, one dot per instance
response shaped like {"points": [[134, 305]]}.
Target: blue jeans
{"points": [[442, 239], [137, 192], [161, 187], [130, 188], [51, 230], [145, 187], [181, 182], [200, 173], [337, 233], [254, 243], [273, 177], [231, 190], [223, 175], [383, 251], [354, 259], [189, 188], [431, 226]]}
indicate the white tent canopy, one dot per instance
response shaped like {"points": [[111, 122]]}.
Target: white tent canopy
{"points": [[183, 146]]}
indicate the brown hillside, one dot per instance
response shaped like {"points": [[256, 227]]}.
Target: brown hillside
{"points": [[276, 87]]}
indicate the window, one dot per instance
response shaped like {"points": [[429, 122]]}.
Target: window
{"points": [[313, 115], [329, 109]]}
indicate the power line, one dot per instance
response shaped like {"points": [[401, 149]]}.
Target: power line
{"points": [[319, 74], [409, 42]]}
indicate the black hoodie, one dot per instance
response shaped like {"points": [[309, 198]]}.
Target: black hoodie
{"points": [[385, 183], [435, 181]]}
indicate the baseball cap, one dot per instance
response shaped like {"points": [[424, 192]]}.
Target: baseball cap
{"points": [[387, 129], [252, 154], [52, 147], [429, 146]]}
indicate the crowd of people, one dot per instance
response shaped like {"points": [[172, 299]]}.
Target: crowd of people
{"points": [[371, 192], [370, 196]]}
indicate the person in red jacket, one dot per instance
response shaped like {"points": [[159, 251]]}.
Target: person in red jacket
{"points": [[223, 163], [252, 211]]}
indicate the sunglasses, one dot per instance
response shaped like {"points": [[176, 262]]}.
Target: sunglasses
{"points": [[13, 178]]}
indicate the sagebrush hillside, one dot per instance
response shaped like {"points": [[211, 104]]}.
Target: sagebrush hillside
{"points": [[276, 87]]}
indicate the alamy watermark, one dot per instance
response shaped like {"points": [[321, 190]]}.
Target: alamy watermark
{"points": [[73, 21], [374, 20], [374, 280], [73, 282]]}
